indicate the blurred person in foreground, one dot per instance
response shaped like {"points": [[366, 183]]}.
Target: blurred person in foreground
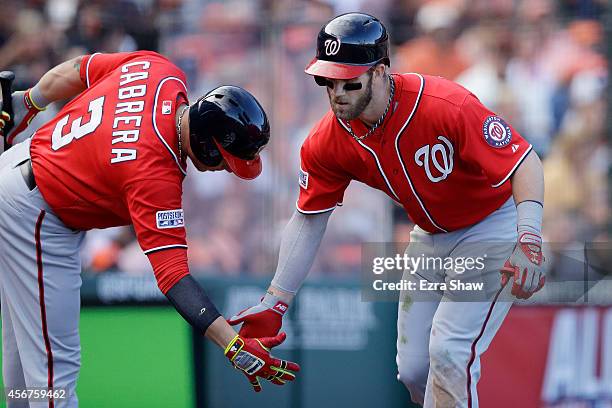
{"points": [[471, 184], [115, 155]]}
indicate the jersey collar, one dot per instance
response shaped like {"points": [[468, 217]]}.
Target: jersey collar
{"points": [[360, 128]]}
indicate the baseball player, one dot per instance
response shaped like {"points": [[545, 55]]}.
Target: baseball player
{"points": [[114, 155], [464, 176]]}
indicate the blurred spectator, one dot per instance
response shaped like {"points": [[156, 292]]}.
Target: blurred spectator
{"points": [[490, 48], [434, 51]]}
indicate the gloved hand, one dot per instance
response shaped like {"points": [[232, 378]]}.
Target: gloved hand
{"points": [[5, 123], [525, 266], [253, 357], [262, 320], [5, 119], [24, 110]]}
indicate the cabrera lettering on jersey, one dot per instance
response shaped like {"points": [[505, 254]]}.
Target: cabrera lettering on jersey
{"points": [[170, 219], [126, 128]]}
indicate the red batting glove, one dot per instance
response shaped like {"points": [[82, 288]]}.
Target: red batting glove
{"points": [[525, 266], [5, 119], [262, 320], [24, 110], [253, 357]]}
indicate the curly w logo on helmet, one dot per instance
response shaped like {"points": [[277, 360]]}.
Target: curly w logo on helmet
{"points": [[332, 46]]}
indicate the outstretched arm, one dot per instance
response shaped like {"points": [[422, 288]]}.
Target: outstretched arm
{"points": [[299, 245], [249, 355]]}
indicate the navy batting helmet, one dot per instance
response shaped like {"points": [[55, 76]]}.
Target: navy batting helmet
{"points": [[348, 45], [228, 123]]}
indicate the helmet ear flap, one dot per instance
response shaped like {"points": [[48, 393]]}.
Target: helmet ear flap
{"points": [[210, 154], [201, 138]]}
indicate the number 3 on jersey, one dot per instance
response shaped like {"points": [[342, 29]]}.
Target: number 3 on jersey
{"points": [[77, 129]]}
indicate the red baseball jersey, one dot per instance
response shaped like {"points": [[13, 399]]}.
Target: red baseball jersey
{"points": [[110, 156], [439, 153]]}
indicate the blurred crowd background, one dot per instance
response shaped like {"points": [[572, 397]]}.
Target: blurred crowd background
{"points": [[540, 64]]}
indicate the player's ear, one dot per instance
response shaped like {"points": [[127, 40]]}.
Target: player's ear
{"points": [[379, 70]]}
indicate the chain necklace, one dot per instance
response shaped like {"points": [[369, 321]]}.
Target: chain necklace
{"points": [[379, 121], [178, 128]]}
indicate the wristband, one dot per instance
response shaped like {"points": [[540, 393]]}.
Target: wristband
{"points": [[34, 97], [273, 302], [530, 216]]}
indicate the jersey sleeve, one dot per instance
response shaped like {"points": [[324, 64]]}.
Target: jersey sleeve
{"points": [[157, 216], [321, 186], [169, 267], [95, 66], [489, 142]]}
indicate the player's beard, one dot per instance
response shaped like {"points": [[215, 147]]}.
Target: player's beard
{"points": [[353, 111]]}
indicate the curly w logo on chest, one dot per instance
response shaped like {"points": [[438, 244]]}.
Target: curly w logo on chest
{"points": [[437, 160]]}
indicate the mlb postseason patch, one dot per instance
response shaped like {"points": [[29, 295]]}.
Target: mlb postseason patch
{"points": [[170, 219], [496, 132], [303, 179], [166, 107]]}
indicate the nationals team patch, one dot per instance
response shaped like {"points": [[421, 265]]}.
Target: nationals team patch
{"points": [[303, 179], [170, 219], [496, 132]]}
